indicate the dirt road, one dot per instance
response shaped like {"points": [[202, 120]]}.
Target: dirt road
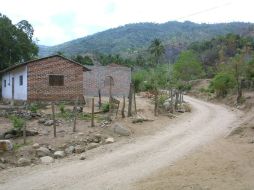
{"points": [[126, 164]]}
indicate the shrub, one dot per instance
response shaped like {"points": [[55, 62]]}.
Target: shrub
{"points": [[18, 123], [62, 108], [222, 82], [161, 100], [105, 107], [33, 107]]}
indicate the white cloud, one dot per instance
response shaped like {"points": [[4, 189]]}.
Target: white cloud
{"points": [[48, 16]]}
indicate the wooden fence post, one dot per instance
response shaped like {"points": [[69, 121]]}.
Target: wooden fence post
{"points": [[92, 118], [75, 116], [130, 100], [53, 117], [99, 93], [123, 108], [24, 133]]}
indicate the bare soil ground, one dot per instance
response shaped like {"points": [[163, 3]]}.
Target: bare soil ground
{"points": [[227, 163], [129, 163]]}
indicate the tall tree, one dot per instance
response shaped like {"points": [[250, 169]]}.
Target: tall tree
{"points": [[188, 66], [156, 49], [16, 43]]}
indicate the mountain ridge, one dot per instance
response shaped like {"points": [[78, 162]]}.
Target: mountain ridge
{"points": [[128, 39]]}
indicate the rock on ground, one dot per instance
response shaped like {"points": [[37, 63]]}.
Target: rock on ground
{"points": [[47, 160], [6, 145], [59, 154], [69, 150], [24, 162], [121, 130], [109, 140], [36, 146], [92, 146], [42, 151], [49, 123], [82, 157]]}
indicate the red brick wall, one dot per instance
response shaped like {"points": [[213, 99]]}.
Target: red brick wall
{"points": [[38, 82]]}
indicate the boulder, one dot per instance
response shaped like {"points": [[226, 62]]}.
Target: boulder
{"points": [[59, 154], [49, 122], [82, 157], [6, 145], [36, 146], [42, 120], [109, 140], [42, 151], [9, 136], [69, 150], [2, 166], [24, 162], [92, 146], [121, 130], [47, 160]]}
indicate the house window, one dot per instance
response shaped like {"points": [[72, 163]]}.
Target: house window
{"points": [[21, 80], [56, 80], [4, 83]]}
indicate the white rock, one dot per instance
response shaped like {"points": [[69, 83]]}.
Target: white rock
{"points": [[24, 162], [47, 160], [109, 140], [42, 151], [121, 130], [36, 146], [82, 157], [59, 154], [92, 146], [69, 150]]}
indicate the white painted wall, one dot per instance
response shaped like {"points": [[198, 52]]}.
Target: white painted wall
{"points": [[20, 92]]}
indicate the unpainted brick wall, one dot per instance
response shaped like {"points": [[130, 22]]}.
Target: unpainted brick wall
{"points": [[38, 82], [97, 79]]}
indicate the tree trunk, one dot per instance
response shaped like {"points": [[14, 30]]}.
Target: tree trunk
{"points": [[156, 104]]}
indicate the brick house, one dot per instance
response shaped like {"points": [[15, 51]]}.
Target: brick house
{"points": [[98, 79], [51, 78]]}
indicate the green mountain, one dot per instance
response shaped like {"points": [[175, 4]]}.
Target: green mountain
{"points": [[132, 38]]}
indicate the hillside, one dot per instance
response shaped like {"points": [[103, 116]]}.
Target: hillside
{"points": [[126, 40]]}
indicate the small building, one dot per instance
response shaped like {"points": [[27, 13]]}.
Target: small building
{"points": [[100, 77], [52, 78]]}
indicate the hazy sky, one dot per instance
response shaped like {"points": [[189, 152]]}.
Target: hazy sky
{"points": [[57, 21]]}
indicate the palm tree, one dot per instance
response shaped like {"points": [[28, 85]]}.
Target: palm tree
{"points": [[156, 49]]}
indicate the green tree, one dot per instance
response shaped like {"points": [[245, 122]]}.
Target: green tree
{"points": [[156, 49], [188, 66], [16, 44], [222, 82]]}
